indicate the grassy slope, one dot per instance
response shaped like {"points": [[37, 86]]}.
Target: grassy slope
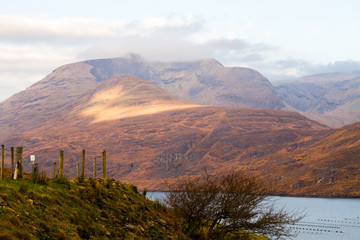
{"points": [[92, 209], [89, 209]]}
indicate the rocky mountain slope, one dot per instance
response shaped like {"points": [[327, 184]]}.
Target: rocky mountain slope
{"points": [[329, 167], [333, 99], [151, 136], [202, 82]]}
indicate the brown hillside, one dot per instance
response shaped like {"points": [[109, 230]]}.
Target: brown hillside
{"points": [[33, 106], [329, 167], [149, 135]]}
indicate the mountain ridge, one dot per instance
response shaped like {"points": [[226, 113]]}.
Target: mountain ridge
{"points": [[332, 98]]}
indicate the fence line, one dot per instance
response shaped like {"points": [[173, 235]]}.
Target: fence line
{"points": [[17, 167]]}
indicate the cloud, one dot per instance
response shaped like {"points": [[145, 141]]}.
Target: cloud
{"points": [[294, 68], [30, 48], [27, 30], [338, 66], [35, 46], [228, 44]]}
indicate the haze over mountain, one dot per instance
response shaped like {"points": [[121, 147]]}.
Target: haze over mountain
{"points": [[332, 98]]}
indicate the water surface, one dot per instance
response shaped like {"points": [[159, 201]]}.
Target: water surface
{"points": [[325, 219]]}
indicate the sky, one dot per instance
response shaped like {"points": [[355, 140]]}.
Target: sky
{"points": [[281, 39]]}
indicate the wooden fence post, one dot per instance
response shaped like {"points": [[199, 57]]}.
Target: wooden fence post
{"points": [[2, 161], [61, 164], [94, 168], [12, 161], [19, 163], [55, 170], [83, 164], [35, 171], [104, 164]]}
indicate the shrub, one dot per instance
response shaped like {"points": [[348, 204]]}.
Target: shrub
{"points": [[216, 206], [23, 188], [39, 178], [62, 180]]}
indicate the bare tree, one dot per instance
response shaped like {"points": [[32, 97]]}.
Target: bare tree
{"points": [[216, 206]]}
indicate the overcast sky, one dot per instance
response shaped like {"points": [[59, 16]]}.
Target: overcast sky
{"points": [[281, 39]]}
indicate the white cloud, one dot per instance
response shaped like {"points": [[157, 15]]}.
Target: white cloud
{"points": [[32, 47], [25, 30]]}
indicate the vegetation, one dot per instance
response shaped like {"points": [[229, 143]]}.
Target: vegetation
{"points": [[81, 209], [229, 206], [40, 208]]}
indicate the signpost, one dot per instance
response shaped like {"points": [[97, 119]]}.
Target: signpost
{"points": [[35, 166]]}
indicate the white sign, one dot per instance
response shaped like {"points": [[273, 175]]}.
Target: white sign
{"points": [[32, 158]]}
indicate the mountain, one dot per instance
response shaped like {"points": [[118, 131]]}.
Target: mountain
{"points": [[333, 98], [201, 82], [150, 136], [329, 167], [205, 82]]}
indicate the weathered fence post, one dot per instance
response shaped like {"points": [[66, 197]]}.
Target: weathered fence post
{"points": [[12, 161], [94, 168], [35, 171], [104, 164], [55, 175], [83, 164], [61, 163], [2, 161], [19, 163], [77, 170]]}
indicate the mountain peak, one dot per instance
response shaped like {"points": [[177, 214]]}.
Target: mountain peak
{"points": [[210, 62]]}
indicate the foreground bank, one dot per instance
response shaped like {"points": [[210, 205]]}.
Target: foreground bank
{"points": [[85, 209], [89, 209]]}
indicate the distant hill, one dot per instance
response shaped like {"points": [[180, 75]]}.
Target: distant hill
{"points": [[204, 82], [333, 99], [150, 135], [329, 167]]}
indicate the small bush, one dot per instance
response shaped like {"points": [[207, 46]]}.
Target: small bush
{"points": [[134, 188], [39, 178], [144, 192], [16, 194], [23, 187], [62, 180]]}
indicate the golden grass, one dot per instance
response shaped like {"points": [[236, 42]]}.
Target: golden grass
{"points": [[115, 103], [107, 113]]}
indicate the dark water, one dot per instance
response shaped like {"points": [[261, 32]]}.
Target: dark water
{"points": [[326, 219]]}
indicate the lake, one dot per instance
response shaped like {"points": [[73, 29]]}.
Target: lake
{"points": [[326, 218]]}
